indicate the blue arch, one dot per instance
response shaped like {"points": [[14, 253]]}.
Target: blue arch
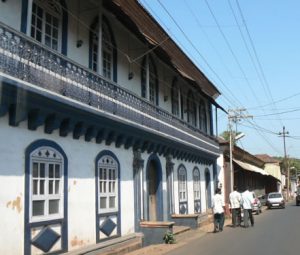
{"points": [[183, 206], [64, 222], [159, 194], [98, 157], [64, 35], [197, 202], [208, 187]]}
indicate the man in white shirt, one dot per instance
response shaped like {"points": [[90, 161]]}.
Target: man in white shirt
{"points": [[218, 205], [247, 201], [235, 206]]}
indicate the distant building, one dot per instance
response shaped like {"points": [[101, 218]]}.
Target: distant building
{"points": [[248, 171], [272, 166]]}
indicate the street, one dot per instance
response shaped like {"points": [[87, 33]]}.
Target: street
{"points": [[275, 232]]}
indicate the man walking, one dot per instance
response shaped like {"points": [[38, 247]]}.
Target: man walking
{"points": [[247, 201], [235, 205], [218, 205]]}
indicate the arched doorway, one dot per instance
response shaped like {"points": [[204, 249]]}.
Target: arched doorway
{"points": [[207, 188], [154, 187]]}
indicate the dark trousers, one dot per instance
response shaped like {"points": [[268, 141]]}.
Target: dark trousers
{"points": [[219, 221], [248, 215], [236, 216]]}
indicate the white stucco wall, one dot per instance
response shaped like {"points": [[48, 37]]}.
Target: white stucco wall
{"points": [[81, 186], [10, 13], [220, 173], [190, 188]]}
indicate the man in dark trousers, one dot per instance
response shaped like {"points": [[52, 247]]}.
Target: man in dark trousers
{"points": [[218, 205], [247, 201], [235, 206]]}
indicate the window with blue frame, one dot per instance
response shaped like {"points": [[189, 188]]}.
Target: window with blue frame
{"points": [[46, 189], [149, 80], [197, 190], [182, 189], [107, 65], [107, 184], [46, 23]]}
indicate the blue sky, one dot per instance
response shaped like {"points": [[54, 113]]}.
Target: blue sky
{"points": [[250, 50]]}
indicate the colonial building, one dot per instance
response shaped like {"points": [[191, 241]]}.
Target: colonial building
{"points": [[247, 171], [272, 166], [105, 123]]}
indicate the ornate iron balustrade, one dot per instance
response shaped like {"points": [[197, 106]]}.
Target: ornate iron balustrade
{"points": [[23, 58]]}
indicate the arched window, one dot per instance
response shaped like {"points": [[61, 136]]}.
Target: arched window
{"points": [[175, 98], [182, 190], [107, 184], [149, 80], [46, 23], [46, 172], [107, 196], [202, 116], [191, 109], [108, 50], [46, 197], [197, 190]]}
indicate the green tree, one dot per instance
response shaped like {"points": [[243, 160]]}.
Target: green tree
{"points": [[226, 135]]}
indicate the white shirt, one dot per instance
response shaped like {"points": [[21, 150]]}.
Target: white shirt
{"points": [[218, 203], [247, 198], [235, 199]]}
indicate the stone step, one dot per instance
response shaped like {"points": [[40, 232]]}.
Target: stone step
{"points": [[180, 229], [116, 246]]}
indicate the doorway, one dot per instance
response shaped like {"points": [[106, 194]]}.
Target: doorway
{"points": [[154, 178], [207, 188]]}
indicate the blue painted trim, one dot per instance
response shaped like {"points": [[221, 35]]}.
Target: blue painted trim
{"points": [[186, 188], [113, 41], [137, 199], [24, 14], [64, 34], [144, 79], [64, 221], [115, 52], [197, 200], [210, 115], [208, 187], [93, 26], [159, 193], [65, 22], [98, 214], [174, 86]]}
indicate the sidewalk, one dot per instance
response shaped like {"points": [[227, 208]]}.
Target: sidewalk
{"points": [[181, 240]]}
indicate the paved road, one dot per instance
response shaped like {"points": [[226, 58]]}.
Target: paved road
{"points": [[276, 232]]}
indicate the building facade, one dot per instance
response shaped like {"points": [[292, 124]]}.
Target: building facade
{"points": [[105, 122]]}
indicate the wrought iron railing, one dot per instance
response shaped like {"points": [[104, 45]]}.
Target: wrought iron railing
{"points": [[25, 59]]}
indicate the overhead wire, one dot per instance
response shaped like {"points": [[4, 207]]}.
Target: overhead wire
{"points": [[238, 63], [193, 46], [231, 51], [256, 55]]}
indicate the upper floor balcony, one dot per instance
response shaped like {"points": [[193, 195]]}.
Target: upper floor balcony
{"points": [[35, 67]]}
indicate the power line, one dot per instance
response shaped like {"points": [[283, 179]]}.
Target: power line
{"points": [[191, 43], [231, 51], [255, 54], [278, 101]]}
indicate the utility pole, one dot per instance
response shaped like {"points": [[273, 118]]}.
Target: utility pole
{"points": [[287, 169], [234, 115]]}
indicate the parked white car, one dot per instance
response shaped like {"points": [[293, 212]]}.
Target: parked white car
{"points": [[275, 199]]}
